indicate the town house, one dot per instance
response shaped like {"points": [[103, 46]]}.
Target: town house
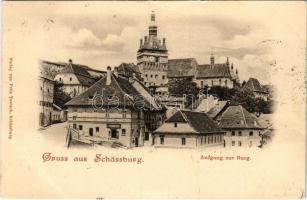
{"points": [[188, 129], [114, 109]]}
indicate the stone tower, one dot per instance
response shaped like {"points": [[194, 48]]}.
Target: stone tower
{"points": [[152, 56]]}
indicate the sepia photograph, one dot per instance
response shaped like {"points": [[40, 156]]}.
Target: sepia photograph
{"points": [[153, 99]]}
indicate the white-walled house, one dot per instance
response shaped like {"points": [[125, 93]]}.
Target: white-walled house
{"points": [[114, 109], [188, 129], [242, 128], [75, 78]]}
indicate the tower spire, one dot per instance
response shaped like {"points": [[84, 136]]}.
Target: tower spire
{"points": [[212, 59], [153, 29]]}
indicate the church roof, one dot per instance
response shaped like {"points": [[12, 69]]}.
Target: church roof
{"points": [[217, 71], [200, 122], [181, 67], [236, 116], [254, 85], [81, 73], [119, 92]]}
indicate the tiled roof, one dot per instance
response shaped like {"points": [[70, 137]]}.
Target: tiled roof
{"points": [[181, 67], [238, 117], [120, 92], [254, 86], [127, 69], [213, 112], [217, 71], [81, 73], [199, 121]]}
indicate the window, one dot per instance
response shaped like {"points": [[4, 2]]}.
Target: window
{"points": [[220, 82], [240, 133], [212, 83], [201, 84], [161, 139], [205, 139], [163, 77], [74, 118], [201, 140], [97, 129], [157, 59], [41, 88], [80, 127], [146, 75], [251, 133], [225, 82], [239, 143], [175, 124], [123, 132], [151, 76], [107, 115], [74, 126], [48, 90], [156, 76], [183, 141], [233, 133], [233, 143], [70, 78], [124, 114], [214, 139]]}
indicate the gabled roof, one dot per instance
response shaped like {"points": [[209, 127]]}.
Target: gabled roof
{"points": [[254, 85], [216, 71], [181, 67], [238, 117], [120, 92], [81, 73], [127, 69], [213, 112], [200, 122]]}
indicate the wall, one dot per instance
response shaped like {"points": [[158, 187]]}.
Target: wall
{"points": [[45, 101], [216, 82], [132, 123], [246, 140]]}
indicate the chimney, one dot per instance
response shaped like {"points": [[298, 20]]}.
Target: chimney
{"points": [[163, 41], [227, 62], [141, 42], [232, 66], [145, 39], [116, 71], [109, 74], [236, 71], [70, 61], [212, 60]]}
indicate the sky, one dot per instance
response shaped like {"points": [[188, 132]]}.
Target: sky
{"points": [[101, 34]]}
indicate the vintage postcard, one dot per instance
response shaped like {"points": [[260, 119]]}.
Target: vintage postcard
{"points": [[155, 100]]}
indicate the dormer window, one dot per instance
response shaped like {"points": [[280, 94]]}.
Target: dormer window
{"points": [[175, 124], [60, 79], [70, 78]]}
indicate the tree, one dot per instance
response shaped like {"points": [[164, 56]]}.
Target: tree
{"points": [[59, 96], [184, 87]]}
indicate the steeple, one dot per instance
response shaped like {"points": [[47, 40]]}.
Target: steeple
{"points": [[227, 61], [153, 29]]}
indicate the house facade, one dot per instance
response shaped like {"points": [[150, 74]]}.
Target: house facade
{"points": [[115, 109], [242, 128], [75, 79], [188, 129]]}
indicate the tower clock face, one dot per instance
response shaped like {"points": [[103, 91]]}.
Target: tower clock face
{"points": [[152, 58]]}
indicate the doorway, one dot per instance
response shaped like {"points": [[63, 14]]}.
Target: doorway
{"points": [[136, 141], [114, 133], [91, 131]]}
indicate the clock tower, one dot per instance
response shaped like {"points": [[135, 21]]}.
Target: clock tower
{"points": [[152, 56]]}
